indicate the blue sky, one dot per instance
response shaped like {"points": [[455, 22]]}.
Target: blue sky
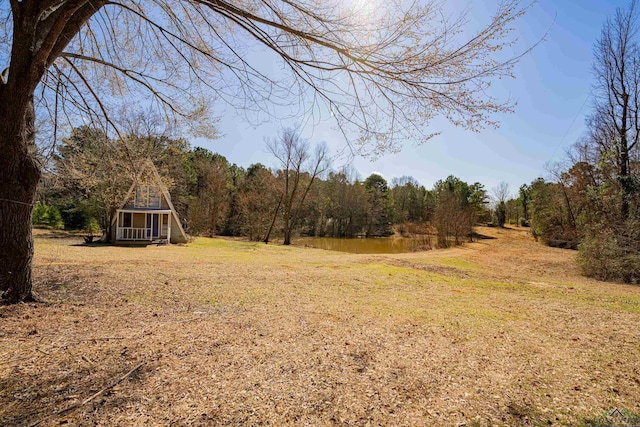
{"points": [[551, 88]]}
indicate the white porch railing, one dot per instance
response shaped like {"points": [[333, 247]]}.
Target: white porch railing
{"points": [[133, 233]]}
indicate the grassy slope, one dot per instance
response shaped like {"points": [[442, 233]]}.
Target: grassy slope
{"points": [[500, 332]]}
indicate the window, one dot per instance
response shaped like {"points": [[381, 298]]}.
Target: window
{"points": [[147, 196], [154, 197], [126, 219]]}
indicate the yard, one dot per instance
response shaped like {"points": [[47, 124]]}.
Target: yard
{"points": [[221, 332]]}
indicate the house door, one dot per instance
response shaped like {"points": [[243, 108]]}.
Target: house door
{"points": [[154, 227]]}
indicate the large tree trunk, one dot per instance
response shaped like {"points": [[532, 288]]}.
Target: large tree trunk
{"points": [[287, 236], [19, 176], [41, 30], [287, 223]]}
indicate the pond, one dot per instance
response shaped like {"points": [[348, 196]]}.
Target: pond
{"points": [[376, 245]]}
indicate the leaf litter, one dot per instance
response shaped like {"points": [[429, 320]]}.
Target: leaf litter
{"points": [[209, 334]]}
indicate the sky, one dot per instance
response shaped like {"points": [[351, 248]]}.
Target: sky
{"points": [[552, 90]]}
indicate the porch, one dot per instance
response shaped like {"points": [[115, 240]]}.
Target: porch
{"points": [[135, 225]]}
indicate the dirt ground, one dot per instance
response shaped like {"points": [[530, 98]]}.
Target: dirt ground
{"points": [[219, 332]]}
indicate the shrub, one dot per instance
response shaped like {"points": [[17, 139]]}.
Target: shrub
{"points": [[609, 254], [524, 222], [92, 227], [48, 216]]}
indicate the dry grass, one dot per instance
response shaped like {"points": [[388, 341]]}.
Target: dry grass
{"points": [[500, 332]]}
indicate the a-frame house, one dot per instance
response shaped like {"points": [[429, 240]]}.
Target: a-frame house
{"points": [[147, 214]]}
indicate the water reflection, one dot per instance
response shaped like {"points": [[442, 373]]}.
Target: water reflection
{"points": [[381, 245]]}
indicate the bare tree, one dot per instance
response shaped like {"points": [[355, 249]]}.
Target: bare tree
{"points": [[299, 170], [615, 123], [500, 192], [602, 186], [500, 195], [382, 73]]}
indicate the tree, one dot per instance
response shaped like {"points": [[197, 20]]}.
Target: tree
{"points": [[313, 218], [500, 213], [602, 186], [615, 123], [233, 223], [379, 213], [453, 215], [46, 215], [382, 75], [210, 206], [500, 196], [257, 201], [479, 201], [408, 200], [550, 217], [298, 172], [96, 170], [512, 211], [524, 198], [348, 204]]}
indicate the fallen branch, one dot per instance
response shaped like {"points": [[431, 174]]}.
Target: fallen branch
{"points": [[118, 381], [92, 397]]}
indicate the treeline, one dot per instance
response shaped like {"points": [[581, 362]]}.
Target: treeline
{"points": [[91, 173], [593, 200], [590, 205], [588, 208]]}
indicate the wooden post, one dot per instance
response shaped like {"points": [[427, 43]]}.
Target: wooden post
{"points": [[149, 225], [118, 213]]}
